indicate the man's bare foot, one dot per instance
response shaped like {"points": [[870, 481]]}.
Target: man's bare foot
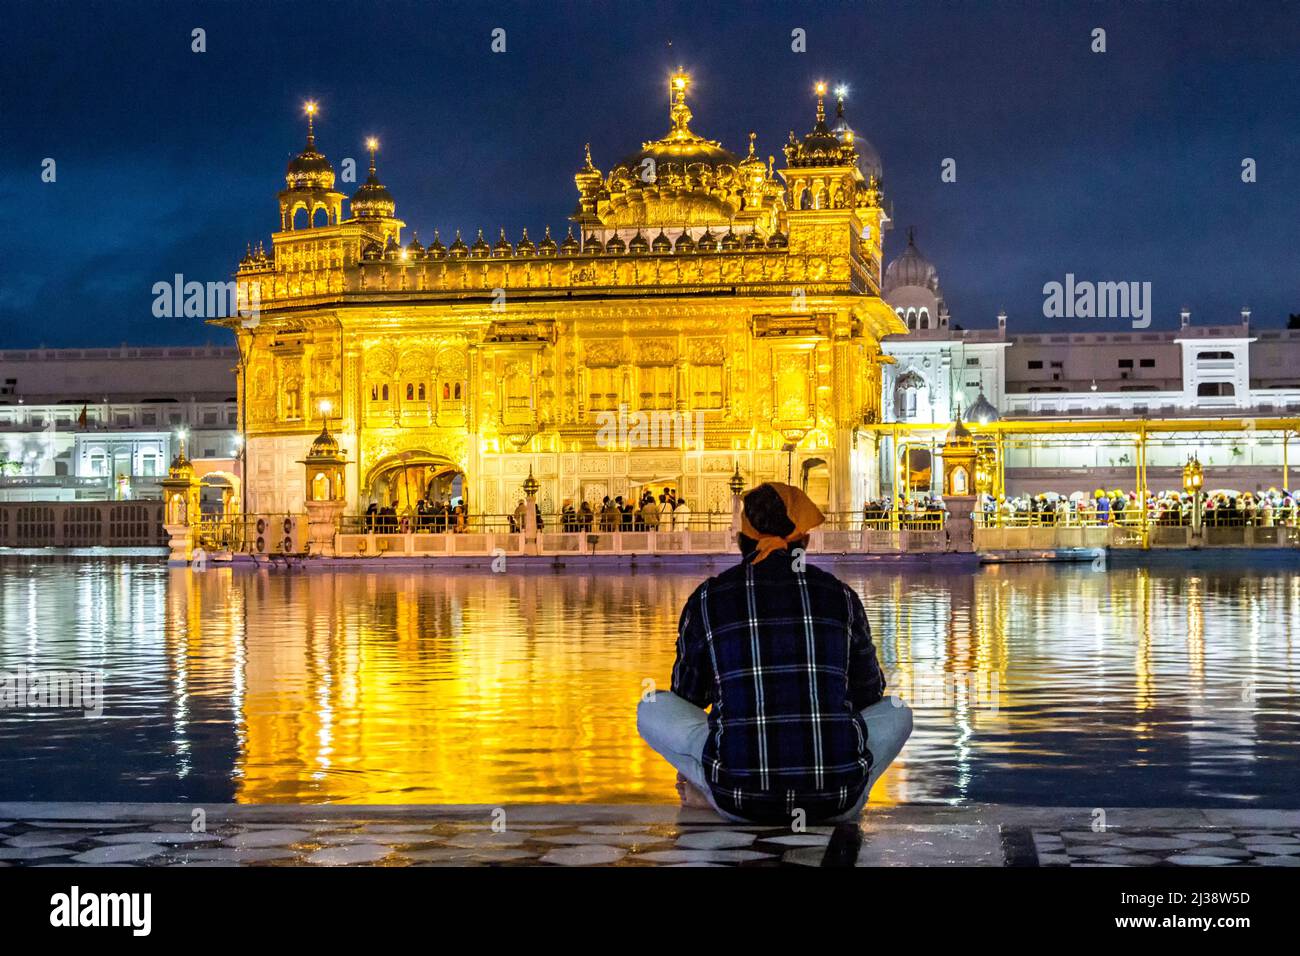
{"points": [[691, 797]]}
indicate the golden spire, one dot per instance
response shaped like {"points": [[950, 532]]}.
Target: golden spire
{"points": [[372, 144], [678, 110], [752, 136], [587, 150], [311, 108], [820, 89]]}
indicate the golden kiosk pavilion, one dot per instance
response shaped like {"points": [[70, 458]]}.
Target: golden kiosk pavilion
{"points": [[695, 286]]}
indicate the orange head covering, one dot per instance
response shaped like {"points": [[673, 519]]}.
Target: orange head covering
{"points": [[799, 508]]}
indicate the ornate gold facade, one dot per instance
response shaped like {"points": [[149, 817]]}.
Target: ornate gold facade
{"points": [[694, 282]]}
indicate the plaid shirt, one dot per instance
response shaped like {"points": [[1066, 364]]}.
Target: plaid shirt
{"points": [[785, 659]]}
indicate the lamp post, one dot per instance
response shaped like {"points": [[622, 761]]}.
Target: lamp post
{"points": [[325, 493], [737, 486], [1193, 482], [531, 485], [793, 436]]}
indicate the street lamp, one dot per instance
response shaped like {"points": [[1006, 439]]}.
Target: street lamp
{"points": [[737, 483], [793, 436], [1193, 481]]}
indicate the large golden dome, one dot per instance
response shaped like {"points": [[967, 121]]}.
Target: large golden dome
{"points": [[680, 180], [680, 148]]}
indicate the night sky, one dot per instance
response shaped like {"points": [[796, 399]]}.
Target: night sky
{"points": [[1117, 166]]}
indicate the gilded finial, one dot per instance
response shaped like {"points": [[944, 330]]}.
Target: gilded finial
{"points": [[372, 144], [587, 150], [678, 110], [311, 108], [820, 89], [752, 136]]}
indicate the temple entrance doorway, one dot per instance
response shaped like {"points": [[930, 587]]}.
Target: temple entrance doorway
{"points": [[399, 482]]}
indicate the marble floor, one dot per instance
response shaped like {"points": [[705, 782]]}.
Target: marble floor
{"points": [[106, 834]]}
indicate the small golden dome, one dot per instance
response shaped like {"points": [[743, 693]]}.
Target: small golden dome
{"points": [[526, 246], [310, 169], [503, 249], [325, 445], [181, 467], [547, 246]]}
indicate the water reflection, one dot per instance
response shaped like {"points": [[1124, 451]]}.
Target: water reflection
{"points": [[1032, 684]]}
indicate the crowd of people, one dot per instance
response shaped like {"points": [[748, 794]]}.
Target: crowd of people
{"points": [[432, 515], [1171, 508], [917, 513], [667, 512]]}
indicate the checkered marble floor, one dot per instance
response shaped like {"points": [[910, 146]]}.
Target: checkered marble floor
{"points": [[90, 834], [1237, 846], [360, 843]]}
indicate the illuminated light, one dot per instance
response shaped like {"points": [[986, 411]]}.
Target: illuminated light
{"points": [[820, 88], [372, 144], [842, 90], [311, 107], [326, 406]]}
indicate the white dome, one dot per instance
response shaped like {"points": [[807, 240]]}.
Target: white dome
{"points": [[911, 269]]}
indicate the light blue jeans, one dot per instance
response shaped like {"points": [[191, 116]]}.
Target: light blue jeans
{"points": [[676, 730]]}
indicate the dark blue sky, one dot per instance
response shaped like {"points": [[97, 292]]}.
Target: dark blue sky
{"points": [[1117, 166]]}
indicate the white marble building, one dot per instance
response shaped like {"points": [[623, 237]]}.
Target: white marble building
{"points": [[1225, 370], [99, 424]]}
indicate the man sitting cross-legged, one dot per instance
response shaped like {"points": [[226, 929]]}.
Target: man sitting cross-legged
{"points": [[781, 653]]}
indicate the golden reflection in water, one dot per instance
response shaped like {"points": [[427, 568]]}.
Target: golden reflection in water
{"points": [[417, 686]]}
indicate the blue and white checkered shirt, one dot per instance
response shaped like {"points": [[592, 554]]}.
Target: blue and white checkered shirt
{"points": [[784, 659]]}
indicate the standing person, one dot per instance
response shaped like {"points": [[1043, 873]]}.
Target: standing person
{"points": [[607, 513], [585, 517], [517, 519], [681, 515], [781, 653], [650, 514]]}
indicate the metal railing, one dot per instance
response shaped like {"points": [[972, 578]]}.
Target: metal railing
{"points": [[1133, 518], [550, 522]]}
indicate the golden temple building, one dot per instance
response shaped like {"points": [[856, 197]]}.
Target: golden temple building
{"points": [[735, 304]]}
